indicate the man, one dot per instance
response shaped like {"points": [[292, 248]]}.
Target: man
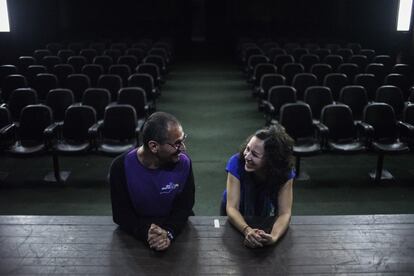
{"points": [[152, 186]]}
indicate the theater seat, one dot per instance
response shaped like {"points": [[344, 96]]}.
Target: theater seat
{"points": [[381, 128]]}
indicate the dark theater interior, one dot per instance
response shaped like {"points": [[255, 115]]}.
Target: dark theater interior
{"points": [[79, 79]]}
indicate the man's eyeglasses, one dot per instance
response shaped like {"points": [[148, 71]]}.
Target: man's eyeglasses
{"points": [[177, 145]]}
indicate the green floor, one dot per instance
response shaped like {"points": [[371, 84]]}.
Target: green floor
{"points": [[213, 102]]}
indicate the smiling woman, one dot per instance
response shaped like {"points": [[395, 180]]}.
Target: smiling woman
{"points": [[4, 17]]}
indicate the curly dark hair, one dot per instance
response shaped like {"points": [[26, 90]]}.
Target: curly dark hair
{"points": [[278, 155]]}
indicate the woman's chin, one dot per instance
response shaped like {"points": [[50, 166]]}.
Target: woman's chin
{"points": [[249, 169]]}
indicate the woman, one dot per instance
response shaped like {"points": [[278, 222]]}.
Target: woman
{"points": [[259, 183]]}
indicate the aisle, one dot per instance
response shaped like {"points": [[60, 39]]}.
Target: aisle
{"points": [[213, 102]]}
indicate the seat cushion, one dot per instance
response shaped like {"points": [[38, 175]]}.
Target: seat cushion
{"points": [[350, 147], [306, 147], [390, 148]]}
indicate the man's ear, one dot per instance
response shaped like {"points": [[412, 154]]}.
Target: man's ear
{"points": [[153, 146]]}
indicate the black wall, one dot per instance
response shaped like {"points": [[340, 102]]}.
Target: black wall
{"points": [[34, 23]]}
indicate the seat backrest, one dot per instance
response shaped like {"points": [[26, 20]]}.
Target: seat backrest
{"points": [[129, 60], [408, 114], [20, 98], [349, 69], [59, 100], [10, 83], [6, 70], [144, 81], [149, 68], [354, 96], [269, 80], [113, 53], [137, 52], [360, 60], [119, 122], [400, 81], [339, 120], [369, 53], [43, 83], [77, 62], [93, 71], [78, 83], [5, 118], [335, 81], [111, 82], [381, 116], [297, 120], [121, 70], [280, 95], [369, 82], [62, 71], [345, 53], [378, 70], [98, 98], [391, 95], [301, 81], [334, 61], [134, 96], [281, 60], [78, 120], [33, 121], [289, 70], [64, 54], [89, 54], [105, 61], [308, 60], [320, 70], [317, 97]]}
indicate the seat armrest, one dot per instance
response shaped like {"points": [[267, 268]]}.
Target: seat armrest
{"points": [[365, 130], [50, 133], [93, 133], [8, 130], [268, 107], [322, 133], [406, 130]]}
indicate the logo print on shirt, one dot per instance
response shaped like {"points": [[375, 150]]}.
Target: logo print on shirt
{"points": [[169, 188]]}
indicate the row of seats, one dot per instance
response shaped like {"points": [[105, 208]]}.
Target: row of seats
{"points": [[346, 104]]}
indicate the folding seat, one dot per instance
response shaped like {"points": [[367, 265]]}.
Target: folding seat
{"points": [[302, 81], [246, 52], [10, 83], [333, 47], [146, 82], [62, 71], [317, 97], [349, 69], [6, 70], [153, 70], [322, 53], [43, 83], [320, 70], [162, 52], [334, 61], [381, 128], [354, 96], [259, 70], [308, 60], [119, 46], [93, 71], [252, 62], [393, 96], [281, 60], [104, 61], [64, 54], [403, 69], [269, 45], [118, 132], [20, 98], [137, 52], [296, 118], [130, 60], [76, 47], [386, 60], [135, 97], [273, 52], [345, 53], [289, 70], [407, 128], [369, 82], [78, 83], [266, 82], [98, 98], [89, 54], [98, 46], [369, 53], [38, 54], [141, 45], [121, 70], [354, 46], [335, 81], [278, 96], [59, 99], [6, 138], [111, 82], [158, 60], [32, 71], [400, 81], [50, 62], [291, 46], [54, 47], [342, 136], [77, 62], [113, 53], [359, 60], [166, 46], [299, 52], [23, 62]]}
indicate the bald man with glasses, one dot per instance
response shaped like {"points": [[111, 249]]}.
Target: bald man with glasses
{"points": [[152, 186]]}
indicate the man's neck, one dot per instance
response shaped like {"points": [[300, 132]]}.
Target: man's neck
{"points": [[147, 159]]}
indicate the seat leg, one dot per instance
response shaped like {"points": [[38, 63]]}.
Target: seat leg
{"points": [[380, 174], [57, 175], [300, 175]]}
